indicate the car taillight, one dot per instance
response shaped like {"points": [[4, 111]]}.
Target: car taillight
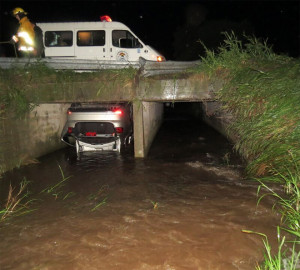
{"points": [[119, 129], [70, 130], [119, 112], [69, 112]]}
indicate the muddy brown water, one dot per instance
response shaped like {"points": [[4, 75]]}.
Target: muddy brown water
{"points": [[183, 207]]}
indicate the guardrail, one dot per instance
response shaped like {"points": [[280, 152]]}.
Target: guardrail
{"points": [[148, 68]]}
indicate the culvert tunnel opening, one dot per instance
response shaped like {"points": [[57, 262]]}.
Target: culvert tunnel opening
{"points": [[185, 136], [183, 110]]}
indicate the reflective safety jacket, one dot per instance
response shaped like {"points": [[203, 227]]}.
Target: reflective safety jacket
{"points": [[26, 35]]}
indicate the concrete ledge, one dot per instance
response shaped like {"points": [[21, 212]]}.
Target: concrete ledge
{"points": [[147, 118]]}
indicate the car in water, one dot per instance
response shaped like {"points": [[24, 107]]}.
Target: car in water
{"points": [[98, 127]]}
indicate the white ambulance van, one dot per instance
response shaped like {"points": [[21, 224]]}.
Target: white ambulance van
{"points": [[104, 40]]}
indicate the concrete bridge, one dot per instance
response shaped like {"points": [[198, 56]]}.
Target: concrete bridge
{"points": [[152, 85]]}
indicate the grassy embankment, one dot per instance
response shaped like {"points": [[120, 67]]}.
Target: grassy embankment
{"points": [[262, 92]]}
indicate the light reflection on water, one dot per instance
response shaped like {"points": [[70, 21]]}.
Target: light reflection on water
{"points": [[183, 207]]}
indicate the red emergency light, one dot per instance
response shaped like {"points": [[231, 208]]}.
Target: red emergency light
{"points": [[105, 18]]}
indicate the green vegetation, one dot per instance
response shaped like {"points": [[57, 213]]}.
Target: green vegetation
{"points": [[155, 204], [99, 204], [17, 202], [284, 258], [99, 198], [289, 206], [261, 92], [14, 85], [21, 89], [56, 190]]}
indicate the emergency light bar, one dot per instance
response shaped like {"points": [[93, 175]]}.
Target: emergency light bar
{"points": [[105, 18]]}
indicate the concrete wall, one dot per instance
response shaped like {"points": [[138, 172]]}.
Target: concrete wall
{"points": [[38, 133], [147, 118], [23, 140], [214, 116]]}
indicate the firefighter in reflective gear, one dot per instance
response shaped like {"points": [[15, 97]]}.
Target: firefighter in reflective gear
{"points": [[25, 35]]}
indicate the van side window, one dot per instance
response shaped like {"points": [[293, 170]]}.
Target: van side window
{"points": [[91, 38], [124, 39], [58, 38]]}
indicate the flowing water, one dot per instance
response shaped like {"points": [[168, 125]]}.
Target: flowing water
{"points": [[182, 207]]}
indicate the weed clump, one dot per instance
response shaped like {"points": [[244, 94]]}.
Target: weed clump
{"points": [[17, 202]]}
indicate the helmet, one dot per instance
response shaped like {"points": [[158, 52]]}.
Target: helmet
{"points": [[18, 10]]}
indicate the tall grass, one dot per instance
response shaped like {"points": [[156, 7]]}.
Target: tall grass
{"points": [[17, 202], [289, 205], [261, 92], [284, 258], [287, 257]]}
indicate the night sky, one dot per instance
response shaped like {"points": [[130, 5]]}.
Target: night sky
{"points": [[174, 28]]}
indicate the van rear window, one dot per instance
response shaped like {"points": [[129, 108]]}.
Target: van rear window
{"points": [[58, 38], [91, 38]]}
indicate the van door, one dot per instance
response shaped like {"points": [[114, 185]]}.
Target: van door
{"points": [[90, 44], [125, 46]]}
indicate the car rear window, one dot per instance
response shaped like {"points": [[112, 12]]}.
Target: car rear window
{"points": [[93, 127]]}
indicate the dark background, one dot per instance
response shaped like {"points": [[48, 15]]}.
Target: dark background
{"points": [[174, 28]]}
